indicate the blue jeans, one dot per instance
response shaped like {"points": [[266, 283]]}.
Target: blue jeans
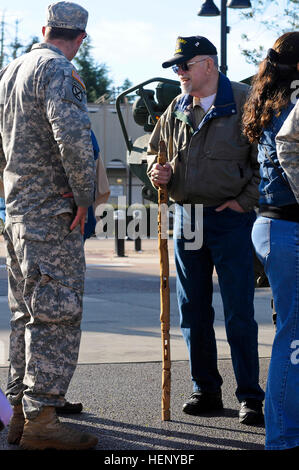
{"points": [[226, 246], [277, 245], [2, 209]]}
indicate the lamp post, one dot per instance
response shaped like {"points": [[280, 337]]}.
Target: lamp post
{"points": [[209, 8]]}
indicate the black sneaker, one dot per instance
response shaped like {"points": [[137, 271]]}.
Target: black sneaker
{"points": [[202, 402], [69, 408], [251, 412]]}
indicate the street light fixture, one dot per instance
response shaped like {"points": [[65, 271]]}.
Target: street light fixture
{"points": [[239, 4], [209, 8]]}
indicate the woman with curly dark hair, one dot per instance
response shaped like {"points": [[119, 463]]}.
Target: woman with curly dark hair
{"points": [[276, 233]]}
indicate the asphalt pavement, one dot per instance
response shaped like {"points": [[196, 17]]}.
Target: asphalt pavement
{"points": [[118, 377]]}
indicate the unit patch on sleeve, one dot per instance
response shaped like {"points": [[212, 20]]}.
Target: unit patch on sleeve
{"points": [[75, 89], [77, 92], [77, 86]]}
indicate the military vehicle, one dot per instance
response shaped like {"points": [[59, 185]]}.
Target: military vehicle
{"points": [[147, 108]]}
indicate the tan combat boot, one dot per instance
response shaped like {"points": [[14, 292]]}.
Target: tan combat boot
{"points": [[47, 432], [16, 425]]}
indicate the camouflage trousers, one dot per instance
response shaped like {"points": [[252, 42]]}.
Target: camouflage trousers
{"points": [[46, 269]]}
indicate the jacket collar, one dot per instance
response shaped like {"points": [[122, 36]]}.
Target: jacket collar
{"points": [[47, 45], [224, 103]]}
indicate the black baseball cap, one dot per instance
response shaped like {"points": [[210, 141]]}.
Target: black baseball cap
{"points": [[188, 47]]}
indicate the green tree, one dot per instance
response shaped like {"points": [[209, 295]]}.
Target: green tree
{"points": [[284, 16], [94, 75], [125, 86], [27, 47]]}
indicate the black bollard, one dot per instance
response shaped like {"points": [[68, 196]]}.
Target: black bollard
{"points": [[137, 215], [119, 218]]}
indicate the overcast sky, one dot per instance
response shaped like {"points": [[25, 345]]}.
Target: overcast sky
{"points": [[133, 37]]}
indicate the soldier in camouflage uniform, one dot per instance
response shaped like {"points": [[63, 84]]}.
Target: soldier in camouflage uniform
{"points": [[46, 154]]}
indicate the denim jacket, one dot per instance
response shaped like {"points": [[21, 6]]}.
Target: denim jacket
{"points": [[273, 191]]}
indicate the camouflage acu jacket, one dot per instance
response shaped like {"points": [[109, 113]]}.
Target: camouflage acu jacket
{"points": [[45, 146]]}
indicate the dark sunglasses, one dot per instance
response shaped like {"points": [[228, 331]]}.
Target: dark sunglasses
{"points": [[185, 65]]}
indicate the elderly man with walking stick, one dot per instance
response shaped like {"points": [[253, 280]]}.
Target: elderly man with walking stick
{"points": [[210, 163]]}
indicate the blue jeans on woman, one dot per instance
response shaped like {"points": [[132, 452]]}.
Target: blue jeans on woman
{"points": [[2, 208], [277, 245], [227, 246]]}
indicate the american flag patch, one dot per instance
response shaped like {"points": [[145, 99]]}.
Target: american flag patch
{"points": [[78, 78]]}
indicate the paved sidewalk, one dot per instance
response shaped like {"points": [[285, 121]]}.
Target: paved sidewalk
{"points": [[118, 377], [122, 307], [122, 406]]}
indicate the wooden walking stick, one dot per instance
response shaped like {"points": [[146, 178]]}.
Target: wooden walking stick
{"points": [[164, 288]]}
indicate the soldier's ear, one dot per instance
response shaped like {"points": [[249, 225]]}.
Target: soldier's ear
{"points": [[80, 38], [43, 31]]}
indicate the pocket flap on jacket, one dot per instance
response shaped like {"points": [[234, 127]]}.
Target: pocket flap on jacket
{"points": [[38, 234]]}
